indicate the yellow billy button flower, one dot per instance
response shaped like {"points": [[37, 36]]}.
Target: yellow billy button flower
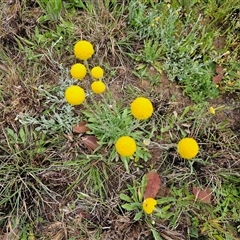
{"points": [[188, 148], [74, 95], [78, 71], [98, 87], [142, 108], [97, 72], [83, 50], [212, 110], [148, 205], [126, 146]]}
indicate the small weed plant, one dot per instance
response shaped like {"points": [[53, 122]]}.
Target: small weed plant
{"points": [[176, 46], [108, 121], [59, 115]]}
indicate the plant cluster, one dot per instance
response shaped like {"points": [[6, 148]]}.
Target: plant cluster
{"points": [[178, 46], [123, 130], [75, 95], [180, 205], [67, 154], [59, 115], [122, 134], [126, 146], [141, 109]]}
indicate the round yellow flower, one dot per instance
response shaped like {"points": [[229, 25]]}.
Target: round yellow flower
{"points": [[83, 50], [74, 95], [97, 72], [142, 108], [188, 148], [98, 87], [212, 110], [78, 71], [126, 146], [148, 205]]}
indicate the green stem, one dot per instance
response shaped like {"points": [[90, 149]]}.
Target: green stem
{"points": [[88, 69]]}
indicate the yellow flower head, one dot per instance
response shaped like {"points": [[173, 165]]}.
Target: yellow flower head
{"points": [[98, 87], [74, 95], [142, 108], [97, 72], [188, 148], [148, 205], [78, 71], [83, 50], [126, 146], [212, 110]]}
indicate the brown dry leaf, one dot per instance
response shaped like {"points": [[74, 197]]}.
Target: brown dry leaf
{"points": [[217, 79], [153, 185], [90, 142], [80, 128], [204, 195], [219, 70]]}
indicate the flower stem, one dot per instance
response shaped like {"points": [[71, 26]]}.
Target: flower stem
{"points": [[88, 69]]}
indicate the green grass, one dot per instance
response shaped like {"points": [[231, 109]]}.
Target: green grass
{"points": [[166, 51]]}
